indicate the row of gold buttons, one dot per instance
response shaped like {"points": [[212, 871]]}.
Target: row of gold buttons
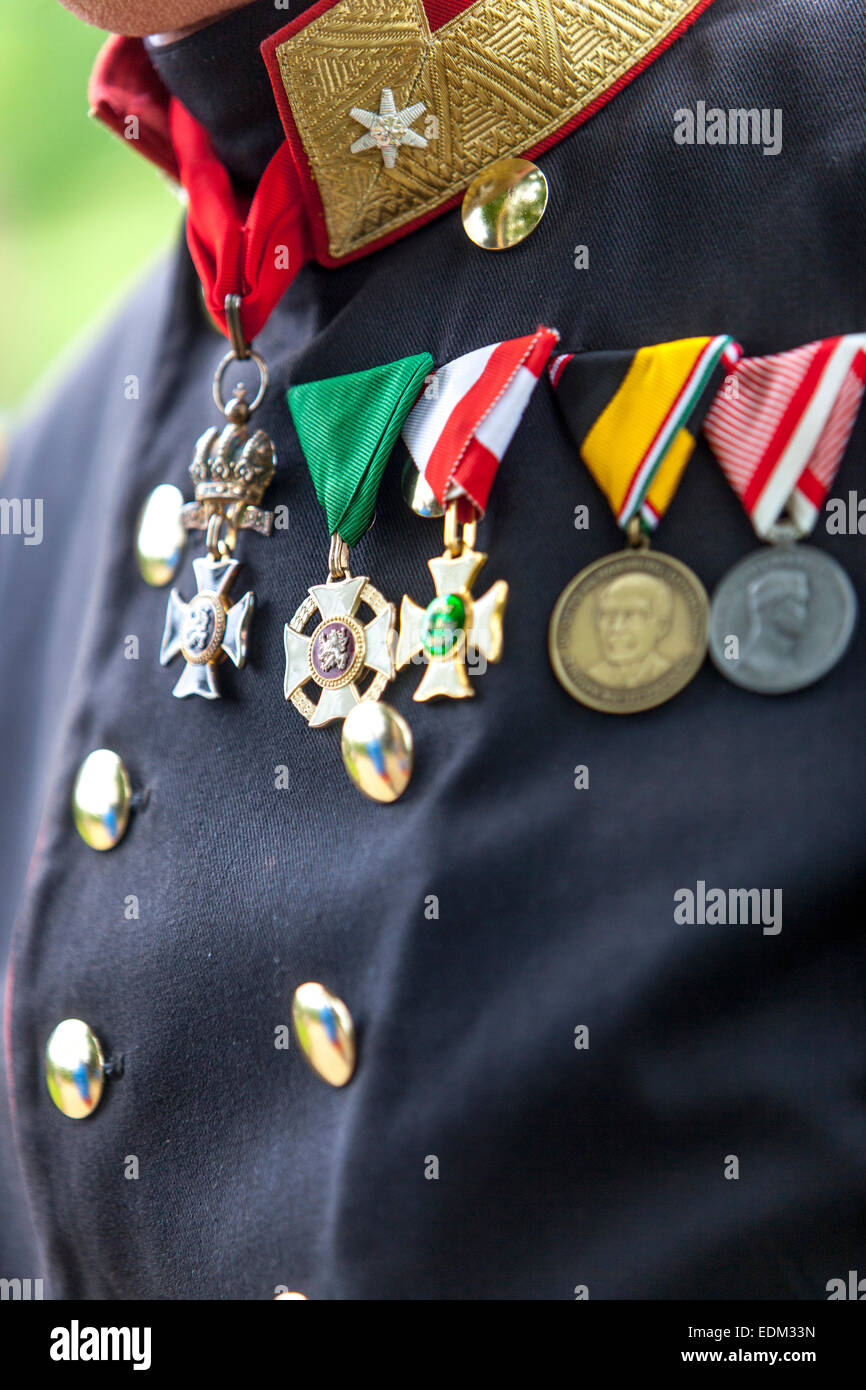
{"points": [[75, 1065]]}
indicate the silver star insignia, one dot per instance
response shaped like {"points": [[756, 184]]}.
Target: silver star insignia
{"points": [[388, 128]]}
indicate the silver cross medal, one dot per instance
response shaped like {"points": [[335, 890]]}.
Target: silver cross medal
{"points": [[388, 128], [207, 629], [231, 470]]}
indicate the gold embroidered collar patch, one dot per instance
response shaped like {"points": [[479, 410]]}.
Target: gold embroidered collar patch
{"points": [[500, 78]]}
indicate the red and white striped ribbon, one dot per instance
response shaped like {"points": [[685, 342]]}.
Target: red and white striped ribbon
{"points": [[464, 421], [779, 427]]}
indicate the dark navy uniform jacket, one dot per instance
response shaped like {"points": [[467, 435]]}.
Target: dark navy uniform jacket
{"points": [[558, 1167]]}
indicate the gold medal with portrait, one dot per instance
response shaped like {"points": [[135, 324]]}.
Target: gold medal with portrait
{"points": [[629, 631]]}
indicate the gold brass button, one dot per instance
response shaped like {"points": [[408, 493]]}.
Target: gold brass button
{"points": [[101, 798], [324, 1028], [74, 1069], [377, 749], [504, 203], [160, 536], [417, 492]]}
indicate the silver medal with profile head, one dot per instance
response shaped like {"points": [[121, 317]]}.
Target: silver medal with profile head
{"points": [[781, 619]]}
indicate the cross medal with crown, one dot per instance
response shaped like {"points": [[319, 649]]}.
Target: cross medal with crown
{"points": [[231, 469]]}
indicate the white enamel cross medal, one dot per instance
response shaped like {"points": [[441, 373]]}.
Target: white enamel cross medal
{"points": [[454, 623], [347, 427], [338, 650], [334, 657]]}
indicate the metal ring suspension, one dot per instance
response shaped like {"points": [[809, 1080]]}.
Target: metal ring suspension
{"points": [[785, 531], [338, 559], [219, 545], [240, 351], [240, 346], [454, 541]]}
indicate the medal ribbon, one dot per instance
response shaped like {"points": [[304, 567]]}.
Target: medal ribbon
{"points": [[348, 426], [635, 416], [781, 427], [461, 427]]}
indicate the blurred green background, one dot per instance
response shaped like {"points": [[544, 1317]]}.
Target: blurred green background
{"points": [[79, 211]]}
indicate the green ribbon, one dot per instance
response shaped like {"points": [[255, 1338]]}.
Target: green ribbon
{"points": [[348, 426]]}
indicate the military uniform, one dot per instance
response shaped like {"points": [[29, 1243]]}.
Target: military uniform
{"points": [[558, 1167]]}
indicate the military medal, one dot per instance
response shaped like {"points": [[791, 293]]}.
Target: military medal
{"points": [[784, 616], [338, 661], [232, 243], [457, 435], [340, 648], [453, 621], [630, 630], [207, 628], [231, 469]]}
